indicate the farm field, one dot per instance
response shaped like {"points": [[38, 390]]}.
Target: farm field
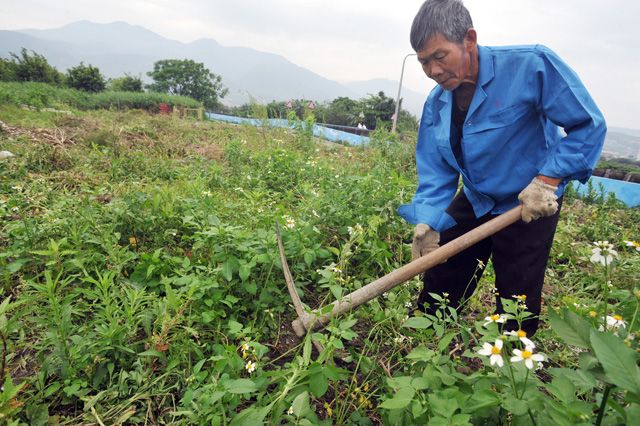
{"points": [[140, 283]]}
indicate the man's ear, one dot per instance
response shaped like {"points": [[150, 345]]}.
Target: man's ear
{"points": [[470, 38]]}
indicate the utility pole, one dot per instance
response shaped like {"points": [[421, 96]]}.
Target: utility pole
{"points": [[395, 115]]}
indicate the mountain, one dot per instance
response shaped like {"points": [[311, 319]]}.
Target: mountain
{"points": [[117, 48], [622, 143]]}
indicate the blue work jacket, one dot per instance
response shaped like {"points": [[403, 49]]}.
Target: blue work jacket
{"points": [[530, 115]]}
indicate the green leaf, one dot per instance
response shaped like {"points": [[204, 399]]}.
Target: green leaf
{"points": [[573, 329], [400, 400], [318, 384], [151, 352], [480, 400], [198, 366], [443, 344], [632, 412], [244, 272], [38, 415], [514, 405], [251, 416], [251, 288], [581, 379], [309, 257], [420, 383], [563, 389], [15, 266], [619, 361], [417, 322], [227, 271], [240, 386], [443, 406], [301, 404], [234, 327], [306, 350], [421, 353]]}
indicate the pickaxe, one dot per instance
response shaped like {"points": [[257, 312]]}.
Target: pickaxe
{"points": [[307, 321]]}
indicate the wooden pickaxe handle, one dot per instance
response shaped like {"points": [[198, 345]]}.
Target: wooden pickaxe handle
{"points": [[312, 320]]}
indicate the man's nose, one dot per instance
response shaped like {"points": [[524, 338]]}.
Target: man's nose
{"points": [[432, 70]]}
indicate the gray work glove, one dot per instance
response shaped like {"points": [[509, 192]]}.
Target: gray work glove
{"points": [[425, 240], [538, 200]]}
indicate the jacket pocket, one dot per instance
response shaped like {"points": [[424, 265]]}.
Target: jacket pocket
{"points": [[498, 119]]}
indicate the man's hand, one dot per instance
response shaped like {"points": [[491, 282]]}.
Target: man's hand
{"points": [[538, 200], [425, 240]]}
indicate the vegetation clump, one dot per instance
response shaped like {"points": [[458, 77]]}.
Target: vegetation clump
{"points": [[140, 283]]}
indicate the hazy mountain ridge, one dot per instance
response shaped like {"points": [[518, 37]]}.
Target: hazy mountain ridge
{"points": [[622, 142], [119, 48]]}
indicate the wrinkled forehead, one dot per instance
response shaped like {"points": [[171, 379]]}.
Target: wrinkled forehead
{"points": [[435, 43]]}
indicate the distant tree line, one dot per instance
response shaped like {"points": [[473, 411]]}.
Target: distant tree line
{"points": [[171, 76], [370, 111], [186, 77]]}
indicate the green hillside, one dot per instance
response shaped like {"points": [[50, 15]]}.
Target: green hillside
{"points": [[140, 284]]}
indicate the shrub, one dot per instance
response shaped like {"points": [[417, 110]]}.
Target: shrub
{"points": [[126, 84], [86, 77], [30, 67]]}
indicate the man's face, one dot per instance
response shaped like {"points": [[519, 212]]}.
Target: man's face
{"points": [[448, 63]]}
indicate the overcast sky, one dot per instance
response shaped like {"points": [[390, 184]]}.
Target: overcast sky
{"points": [[348, 40]]}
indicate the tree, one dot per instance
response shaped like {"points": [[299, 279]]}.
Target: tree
{"points": [[343, 111], [34, 67], [186, 77], [377, 107], [126, 84], [7, 70], [86, 77]]}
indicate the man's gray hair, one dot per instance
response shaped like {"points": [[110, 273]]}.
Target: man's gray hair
{"points": [[447, 17]]}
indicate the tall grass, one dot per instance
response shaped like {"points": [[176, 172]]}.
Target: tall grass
{"points": [[42, 95]]}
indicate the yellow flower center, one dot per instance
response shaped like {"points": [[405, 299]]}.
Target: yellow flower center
{"points": [[617, 317], [526, 354], [495, 350], [593, 314], [522, 333], [495, 317]]}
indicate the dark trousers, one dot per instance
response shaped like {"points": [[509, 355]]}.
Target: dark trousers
{"points": [[519, 254]]}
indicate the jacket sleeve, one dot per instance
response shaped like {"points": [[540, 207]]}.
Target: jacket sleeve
{"points": [[565, 101], [437, 182]]}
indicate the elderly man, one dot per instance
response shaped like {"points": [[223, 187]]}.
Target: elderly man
{"points": [[495, 120]]}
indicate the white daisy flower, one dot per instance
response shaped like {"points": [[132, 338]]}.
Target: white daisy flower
{"points": [[497, 318], [290, 410], [616, 321], [290, 222], [494, 352], [634, 244], [522, 336], [527, 356], [603, 253], [250, 366]]}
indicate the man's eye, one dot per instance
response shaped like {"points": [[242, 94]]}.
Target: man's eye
{"points": [[439, 56]]}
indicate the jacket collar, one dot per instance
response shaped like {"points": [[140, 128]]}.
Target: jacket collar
{"points": [[485, 75]]}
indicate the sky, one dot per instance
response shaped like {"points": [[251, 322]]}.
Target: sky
{"points": [[352, 40]]}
